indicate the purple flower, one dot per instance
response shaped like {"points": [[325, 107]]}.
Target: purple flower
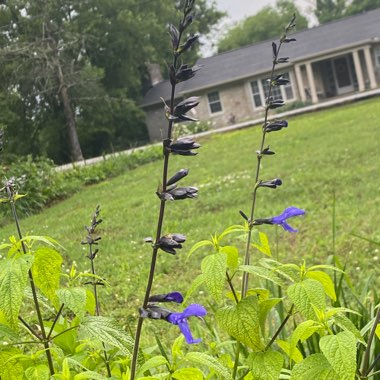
{"points": [[282, 218], [180, 319], [168, 297]]}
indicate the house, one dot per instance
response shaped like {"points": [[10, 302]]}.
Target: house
{"points": [[331, 60]]}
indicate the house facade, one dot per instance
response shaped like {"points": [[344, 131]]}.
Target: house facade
{"points": [[328, 61]]}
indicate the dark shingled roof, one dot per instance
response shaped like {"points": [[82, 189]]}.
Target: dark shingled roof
{"points": [[256, 59]]}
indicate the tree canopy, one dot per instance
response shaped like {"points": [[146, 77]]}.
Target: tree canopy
{"points": [[328, 10], [72, 72], [267, 23]]}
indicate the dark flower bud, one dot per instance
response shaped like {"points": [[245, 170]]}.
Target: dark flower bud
{"points": [[154, 312], [282, 60], [286, 40], [169, 297], [177, 176], [169, 243], [1, 139], [183, 193], [180, 109], [258, 222], [274, 50], [271, 103], [183, 147], [186, 23], [279, 80], [174, 34], [275, 126], [189, 6], [291, 24], [265, 151], [244, 215], [184, 73], [273, 183], [187, 45]]}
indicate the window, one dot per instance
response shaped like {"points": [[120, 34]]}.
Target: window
{"points": [[260, 91], [214, 102], [377, 56], [256, 93]]}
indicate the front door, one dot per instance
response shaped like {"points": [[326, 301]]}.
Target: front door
{"points": [[343, 75]]}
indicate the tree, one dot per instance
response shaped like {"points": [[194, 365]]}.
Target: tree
{"points": [[267, 23], [328, 10], [77, 70]]}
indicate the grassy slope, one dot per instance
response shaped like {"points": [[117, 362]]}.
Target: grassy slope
{"points": [[334, 150]]}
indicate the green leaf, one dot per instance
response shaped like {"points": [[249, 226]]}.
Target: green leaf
{"points": [[198, 245], [90, 302], [293, 353], [340, 351], [314, 367], [345, 323], [89, 375], [242, 321], [188, 373], [154, 362], [39, 372], [265, 273], [260, 242], [74, 299], [10, 368], [43, 239], [13, 281], [377, 331], [265, 307], [232, 229], [232, 254], [177, 347], [108, 331], [7, 333], [325, 280], [199, 280], [209, 362], [46, 271], [214, 271], [307, 295], [265, 365], [302, 332]]}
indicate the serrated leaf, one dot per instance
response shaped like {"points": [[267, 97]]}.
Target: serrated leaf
{"points": [[265, 365], [340, 351], [154, 362], [307, 295], [11, 368], [314, 367], [293, 353], [199, 280], [177, 347], [209, 362], [302, 332], [38, 372], [74, 299], [13, 281], [44, 239], [90, 302], [198, 245], [345, 323], [265, 307], [242, 321], [108, 331], [7, 333], [214, 271], [188, 373], [46, 271], [260, 242], [89, 375], [232, 254], [265, 273], [232, 229], [325, 280]]}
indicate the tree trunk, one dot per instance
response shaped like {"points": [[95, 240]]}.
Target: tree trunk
{"points": [[75, 149]]}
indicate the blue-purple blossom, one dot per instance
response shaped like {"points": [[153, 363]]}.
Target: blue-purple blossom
{"points": [[180, 319], [168, 297], [282, 218]]}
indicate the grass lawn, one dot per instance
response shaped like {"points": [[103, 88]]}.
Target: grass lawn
{"points": [[322, 153]]}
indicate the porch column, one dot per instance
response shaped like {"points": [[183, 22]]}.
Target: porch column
{"points": [[300, 85], [310, 79], [370, 69], [358, 70]]}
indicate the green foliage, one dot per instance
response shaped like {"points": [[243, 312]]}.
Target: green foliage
{"points": [[265, 365], [267, 23]]}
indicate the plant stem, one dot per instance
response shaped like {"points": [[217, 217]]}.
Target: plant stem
{"points": [[43, 339], [365, 369], [277, 333], [229, 280], [55, 321]]}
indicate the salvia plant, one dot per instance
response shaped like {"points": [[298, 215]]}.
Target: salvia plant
{"points": [[274, 320]]}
